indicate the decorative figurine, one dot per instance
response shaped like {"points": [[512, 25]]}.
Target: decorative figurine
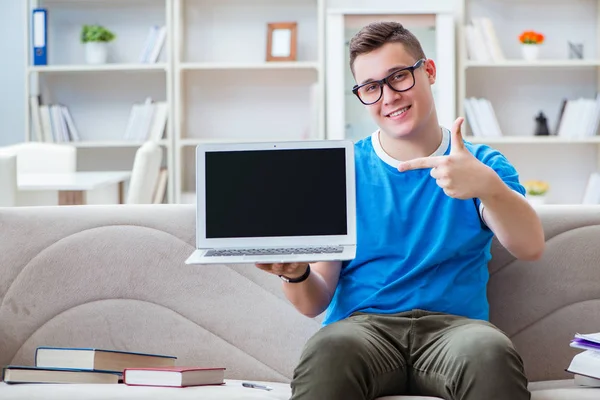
{"points": [[541, 128]]}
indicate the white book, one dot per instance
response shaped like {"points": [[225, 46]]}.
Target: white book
{"points": [[158, 44], [494, 125], [161, 187], [62, 131], [148, 44], [159, 121], [472, 117], [491, 39], [591, 194], [586, 363], [145, 120], [479, 50], [593, 128], [46, 123], [73, 132], [483, 117], [131, 123], [568, 119]]}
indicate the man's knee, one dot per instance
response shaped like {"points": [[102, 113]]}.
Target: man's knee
{"points": [[334, 343], [483, 349], [488, 365]]}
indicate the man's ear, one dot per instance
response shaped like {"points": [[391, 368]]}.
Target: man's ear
{"points": [[430, 70]]}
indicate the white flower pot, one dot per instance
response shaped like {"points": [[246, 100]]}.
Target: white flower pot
{"points": [[530, 51], [96, 52], [536, 200]]}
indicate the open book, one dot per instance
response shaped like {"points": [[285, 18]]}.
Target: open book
{"points": [[586, 365], [586, 342]]}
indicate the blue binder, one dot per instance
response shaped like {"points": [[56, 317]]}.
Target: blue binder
{"points": [[40, 36]]}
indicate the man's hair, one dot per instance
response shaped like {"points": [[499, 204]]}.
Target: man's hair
{"points": [[376, 34]]}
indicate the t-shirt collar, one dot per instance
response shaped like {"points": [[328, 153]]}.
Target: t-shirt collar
{"points": [[385, 157]]}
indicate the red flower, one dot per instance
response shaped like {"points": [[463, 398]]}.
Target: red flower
{"points": [[531, 37]]}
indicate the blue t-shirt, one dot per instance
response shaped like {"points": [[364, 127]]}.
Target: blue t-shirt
{"points": [[417, 247]]}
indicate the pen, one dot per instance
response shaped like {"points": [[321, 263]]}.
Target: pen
{"points": [[255, 386]]}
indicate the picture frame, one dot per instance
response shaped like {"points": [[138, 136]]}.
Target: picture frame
{"points": [[282, 41]]}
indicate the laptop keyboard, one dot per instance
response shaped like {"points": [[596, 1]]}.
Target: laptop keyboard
{"points": [[275, 252]]}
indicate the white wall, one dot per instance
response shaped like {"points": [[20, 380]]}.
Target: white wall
{"points": [[12, 74]]}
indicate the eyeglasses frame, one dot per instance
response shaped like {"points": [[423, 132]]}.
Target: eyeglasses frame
{"points": [[383, 81]]}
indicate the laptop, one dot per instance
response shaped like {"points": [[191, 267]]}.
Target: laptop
{"points": [[275, 202]]}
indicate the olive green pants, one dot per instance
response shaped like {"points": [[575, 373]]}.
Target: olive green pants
{"points": [[368, 356]]}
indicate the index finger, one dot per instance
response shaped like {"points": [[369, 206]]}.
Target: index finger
{"points": [[420, 163]]}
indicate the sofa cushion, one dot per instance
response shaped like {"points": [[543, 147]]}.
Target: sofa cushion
{"points": [[233, 390]]}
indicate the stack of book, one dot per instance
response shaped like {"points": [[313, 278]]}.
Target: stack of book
{"points": [[585, 366], [99, 366]]}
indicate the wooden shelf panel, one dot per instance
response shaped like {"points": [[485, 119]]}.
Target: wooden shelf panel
{"points": [[98, 68], [285, 65], [533, 64], [532, 140]]}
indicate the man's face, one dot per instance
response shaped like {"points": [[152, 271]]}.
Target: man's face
{"points": [[397, 114]]}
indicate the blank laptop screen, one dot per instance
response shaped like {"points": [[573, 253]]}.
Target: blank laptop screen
{"points": [[266, 193]]}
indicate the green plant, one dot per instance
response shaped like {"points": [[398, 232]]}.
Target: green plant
{"points": [[96, 33]]}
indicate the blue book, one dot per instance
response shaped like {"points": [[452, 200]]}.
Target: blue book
{"points": [[39, 36], [93, 359], [12, 374]]}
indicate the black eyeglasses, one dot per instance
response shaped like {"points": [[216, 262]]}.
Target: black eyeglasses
{"points": [[399, 81]]}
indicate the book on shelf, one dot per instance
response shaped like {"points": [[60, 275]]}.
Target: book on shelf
{"points": [[591, 194], [52, 123], [579, 118], [482, 42], [482, 117], [161, 186], [585, 366], [174, 376], [153, 44], [147, 121]]}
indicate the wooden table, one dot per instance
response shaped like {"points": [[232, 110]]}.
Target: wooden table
{"points": [[72, 187]]}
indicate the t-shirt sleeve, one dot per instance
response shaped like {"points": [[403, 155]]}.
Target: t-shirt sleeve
{"points": [[505, 170]]}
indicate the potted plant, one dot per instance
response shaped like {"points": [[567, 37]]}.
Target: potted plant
{"points": [[530, 44], [536, 191], [95, 39]]}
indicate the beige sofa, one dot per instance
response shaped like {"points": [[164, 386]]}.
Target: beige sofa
{"points": [[114, 277]]}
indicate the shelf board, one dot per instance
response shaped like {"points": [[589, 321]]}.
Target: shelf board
{"points": [[517, 63], [286, 65], [196, 141], [532, 140], [98, 68], [116, 143]]}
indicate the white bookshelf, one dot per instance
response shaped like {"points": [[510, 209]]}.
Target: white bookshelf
{"points": [[432, 22], [225, 90], [519, 89], [100, 97]]}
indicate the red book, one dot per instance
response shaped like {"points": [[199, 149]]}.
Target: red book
{"points": [[174, 376]]}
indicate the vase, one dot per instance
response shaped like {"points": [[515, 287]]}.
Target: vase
{"points": [[530, 51], [536, 200], [96, 52]]}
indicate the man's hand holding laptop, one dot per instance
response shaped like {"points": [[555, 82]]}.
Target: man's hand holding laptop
{"points": [[288, 270]]}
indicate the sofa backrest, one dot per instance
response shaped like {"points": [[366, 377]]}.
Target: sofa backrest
{"points": [[114, 277], [542, 304]]}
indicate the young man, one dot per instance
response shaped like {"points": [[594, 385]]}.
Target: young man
{"points": [[409, 315]]}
